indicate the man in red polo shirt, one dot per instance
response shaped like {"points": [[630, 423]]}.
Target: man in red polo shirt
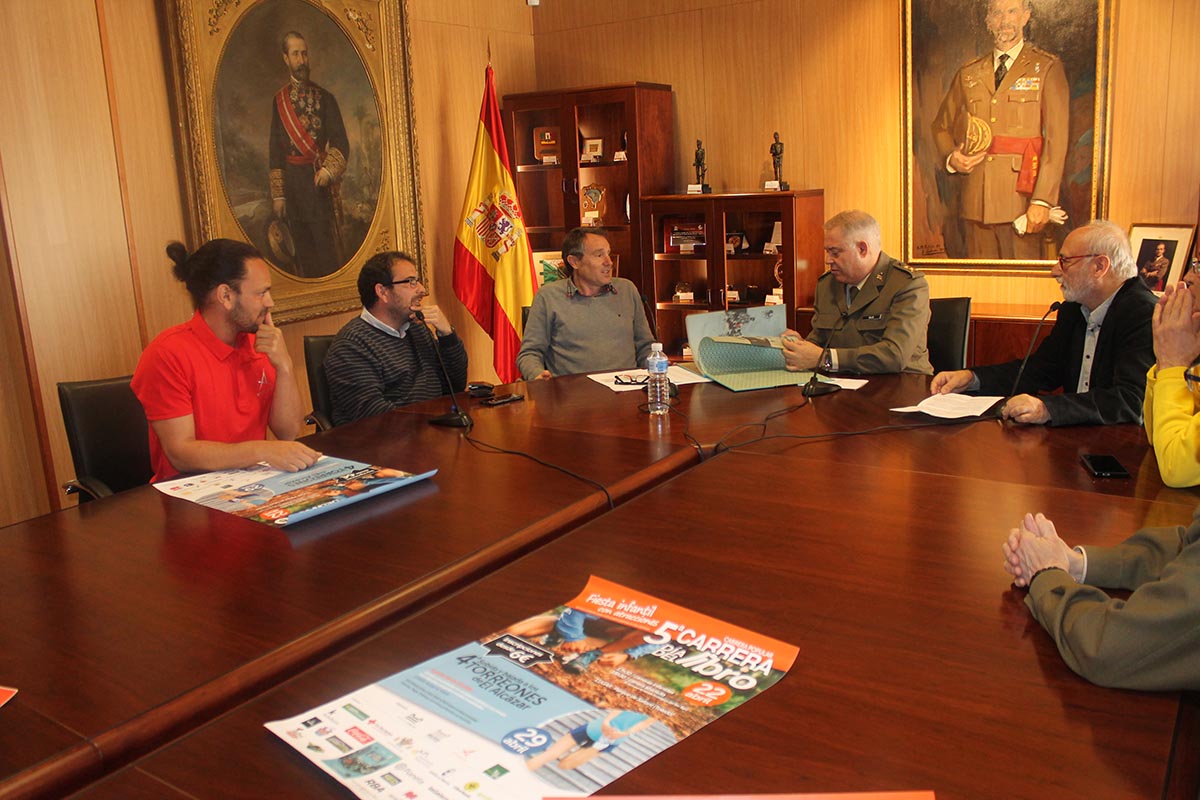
{"points": [[212, 386]]}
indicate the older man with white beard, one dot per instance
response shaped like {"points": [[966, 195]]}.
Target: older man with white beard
{"points": [[1098, 351]]}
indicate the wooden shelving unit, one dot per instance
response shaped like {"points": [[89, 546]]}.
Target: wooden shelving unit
{"points": [[711, 273], [634, 119]]}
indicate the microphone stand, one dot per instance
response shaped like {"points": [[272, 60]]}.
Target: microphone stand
{"points": [[650, 312], [1055, 306], [455, 417], [814, 387]]}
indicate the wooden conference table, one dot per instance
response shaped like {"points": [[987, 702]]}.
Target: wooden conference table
{"points": [[130, 620], [919, 668], [141, 617]]}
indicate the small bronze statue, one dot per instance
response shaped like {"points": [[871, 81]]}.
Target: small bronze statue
{"points": [[777, 158], [698, 163]]}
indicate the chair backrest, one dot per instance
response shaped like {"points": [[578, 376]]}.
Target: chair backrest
{"points": [[949, 323], [315, 348], [107, 432]]}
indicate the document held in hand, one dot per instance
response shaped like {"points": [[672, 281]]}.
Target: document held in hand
{"points": [[740, 348], [746, 362]]}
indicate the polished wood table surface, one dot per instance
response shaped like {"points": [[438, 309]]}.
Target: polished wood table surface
{"points": [[919, 666], [135, 618], [712, 414]]}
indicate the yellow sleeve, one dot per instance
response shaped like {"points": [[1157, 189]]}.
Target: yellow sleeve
{"points": [[1173, 426]]}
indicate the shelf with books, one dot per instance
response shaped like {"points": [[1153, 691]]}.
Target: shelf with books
{"points": [[716, 243], [612, 145]]}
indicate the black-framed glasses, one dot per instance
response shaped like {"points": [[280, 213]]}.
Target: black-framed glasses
{"points": [[410, 281], [1064, 260], [631, 380]]}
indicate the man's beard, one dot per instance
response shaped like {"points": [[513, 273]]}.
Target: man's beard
{"points": [[244, 321], [300, 73]]}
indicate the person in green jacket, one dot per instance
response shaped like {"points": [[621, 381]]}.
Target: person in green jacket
{"points": [[1150, 641]]}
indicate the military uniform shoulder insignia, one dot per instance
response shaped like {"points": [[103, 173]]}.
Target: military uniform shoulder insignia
{"points": [[906, 269]]}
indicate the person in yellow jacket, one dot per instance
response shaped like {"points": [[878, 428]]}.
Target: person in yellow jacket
{"points": [[1171, 408]]}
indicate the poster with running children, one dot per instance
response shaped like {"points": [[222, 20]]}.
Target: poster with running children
{"points": [[560, 704]]}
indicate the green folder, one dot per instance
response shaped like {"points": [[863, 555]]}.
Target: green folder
{"points": [[741, 363]]}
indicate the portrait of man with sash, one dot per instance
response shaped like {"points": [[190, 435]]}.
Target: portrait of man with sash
{"points": [[1001, 117], [308, 158]]}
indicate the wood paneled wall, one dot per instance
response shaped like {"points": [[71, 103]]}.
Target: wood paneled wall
{"points": [[63, 220], [90, 195], [827, 75]]}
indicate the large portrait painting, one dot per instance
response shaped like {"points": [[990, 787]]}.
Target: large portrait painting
{"points": [[298, 137], [1005, 122]]}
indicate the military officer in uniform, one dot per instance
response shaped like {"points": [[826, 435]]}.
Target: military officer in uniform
{"points": [[871, 311], [1154, 271], [1020, 92], [307, 156]]}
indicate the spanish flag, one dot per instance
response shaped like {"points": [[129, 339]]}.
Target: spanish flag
{"points": [[493, 264]]}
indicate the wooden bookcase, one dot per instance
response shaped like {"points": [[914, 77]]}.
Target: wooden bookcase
{"points": [[635, 119], [711, 273]]}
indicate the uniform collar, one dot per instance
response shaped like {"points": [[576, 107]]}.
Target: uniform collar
{"points": [[1012, 53]]}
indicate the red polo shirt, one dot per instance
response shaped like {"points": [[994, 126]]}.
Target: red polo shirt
{"points": [[188, 370]]}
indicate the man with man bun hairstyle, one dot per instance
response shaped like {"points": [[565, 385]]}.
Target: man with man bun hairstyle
{"points": [[212, 386]]}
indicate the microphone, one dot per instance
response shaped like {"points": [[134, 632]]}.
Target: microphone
{"points": [[650, 315], [815, 388], [455, 417], [1055, 306]]}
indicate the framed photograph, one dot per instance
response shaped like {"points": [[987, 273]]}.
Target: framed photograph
{"points": [[297, 136], [1196, 243], [1162, 252], [593, 150], [1006, 153]]}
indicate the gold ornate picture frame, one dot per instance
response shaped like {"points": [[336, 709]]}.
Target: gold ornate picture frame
{"points": [[317, 167], [1057, 92]]}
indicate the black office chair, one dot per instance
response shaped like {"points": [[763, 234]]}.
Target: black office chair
{"points": [[107, 432], [315, 348], [949, 324]]}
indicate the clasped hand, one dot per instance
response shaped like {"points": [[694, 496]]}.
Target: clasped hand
{"points": [[1176, 328], [1036, 546]]}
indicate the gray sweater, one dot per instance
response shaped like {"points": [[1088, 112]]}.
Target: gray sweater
{"points": [[568, 333]]}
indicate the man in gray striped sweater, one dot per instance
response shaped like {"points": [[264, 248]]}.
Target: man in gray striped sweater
{"points": [[385, 357]]}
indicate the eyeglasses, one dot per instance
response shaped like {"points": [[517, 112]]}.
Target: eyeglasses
{"points": [[410, 281], [1064, 260], [631, 380]]}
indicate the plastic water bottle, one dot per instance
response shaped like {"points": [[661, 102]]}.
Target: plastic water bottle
{"points": [[659, 385]]}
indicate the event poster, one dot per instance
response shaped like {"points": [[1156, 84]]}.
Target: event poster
{"points": [[273, 497], [558, 704]]}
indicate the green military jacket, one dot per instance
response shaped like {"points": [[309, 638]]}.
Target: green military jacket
{"points": [[883, 330]]}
